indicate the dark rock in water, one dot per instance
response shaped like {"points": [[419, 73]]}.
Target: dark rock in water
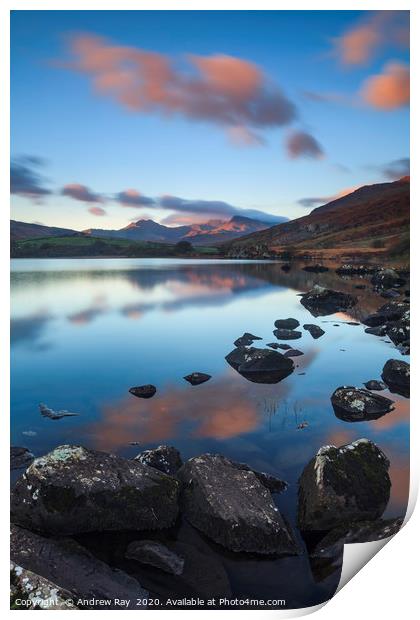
{"points": [[272, 483], [196, 378], [399, 331], [377, 386], [286, 323], [353, 323], [232, 507], [341, 485], [20, 457], [315, 331], [143, 391], [74, 489], [72, 568], [284, 347], [260, 365], [287, 334], [321, 301], [163, 458], [315, 268], [47, 412], [286, 267], [203, 574], [274, 345], [352, 270], [396, 374], [380, 330], [31, 591], [391, 311], [356, 405], [390, 294], [155, 554], [293, 353], [332, 544], [387, 278], [246, 340]]}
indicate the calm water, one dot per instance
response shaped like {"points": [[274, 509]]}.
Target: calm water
{"points": [[84, 331]]}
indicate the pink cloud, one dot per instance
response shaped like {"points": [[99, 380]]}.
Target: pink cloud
{"points": [[242, 136], [133, 198], [80, 192], [220, 89], [97, 211], [302, 144], [388, 90]]}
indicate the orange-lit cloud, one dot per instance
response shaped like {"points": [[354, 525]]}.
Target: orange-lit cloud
{"points": [[388, 90], [97, 211], [80, 192]]}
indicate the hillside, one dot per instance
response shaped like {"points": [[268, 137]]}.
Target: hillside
{"points": [[371, 220], [24, 230]]}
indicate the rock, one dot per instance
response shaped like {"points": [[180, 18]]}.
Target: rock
{"points": [[353, 323], [332, 544], [351, 270], [286, 323], [399, 331], [377, 386], [391, 311], [272, 483], [74, 489], [345, 484], [196, 378], [387, 278], [274, 345], [284, 346], [315, 268], [293, 353], [260, 365], [156, 554], [357, 405], [321, 301], [376, 331], [143, 391], [396, 374], [286, 267], [73, 568], [31, 591], [360, 286], [163, 458], [287, 334], [246, 340], [315, 331], [390, 294], [232, 507], [47, 412], [20, 457]]}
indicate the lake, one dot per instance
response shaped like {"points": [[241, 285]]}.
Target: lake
{"points": [[85, 330]]}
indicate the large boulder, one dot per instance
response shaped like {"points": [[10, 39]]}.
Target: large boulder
{"points": [[232, 507], [164, 458], [315, 331], [358, 405], [399, 331], [73, 568], [387, 278], [396, 374], [322, 301], [345, 484], [260, 365], [74, 489]]}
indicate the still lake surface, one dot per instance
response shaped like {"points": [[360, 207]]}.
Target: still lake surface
{"points": [[85, 330]]}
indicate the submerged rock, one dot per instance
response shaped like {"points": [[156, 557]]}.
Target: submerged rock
{"points": [[357, 405], [315, 331], [31, 591], [315, 268], [73, 568], [196, 378], [377, 386], [287, 334], [246, 340], [387, 278], [396, 374], [155, 554], [47, 412], [20, 457], [286, 323], [74, 489], [163, 458], [260, 365], [321, 301], [143, 391], [232, 507], [345, 484]]}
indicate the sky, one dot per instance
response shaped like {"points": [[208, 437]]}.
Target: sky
{"points": [[186, 116]]}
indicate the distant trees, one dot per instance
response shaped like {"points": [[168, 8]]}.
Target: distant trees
{"points": [[183, 247]]}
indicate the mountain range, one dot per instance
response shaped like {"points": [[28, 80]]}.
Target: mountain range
{"points": [[213, 232], [373, 218]]}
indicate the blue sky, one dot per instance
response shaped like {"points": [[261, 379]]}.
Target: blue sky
{"points": [[343, 72]]}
